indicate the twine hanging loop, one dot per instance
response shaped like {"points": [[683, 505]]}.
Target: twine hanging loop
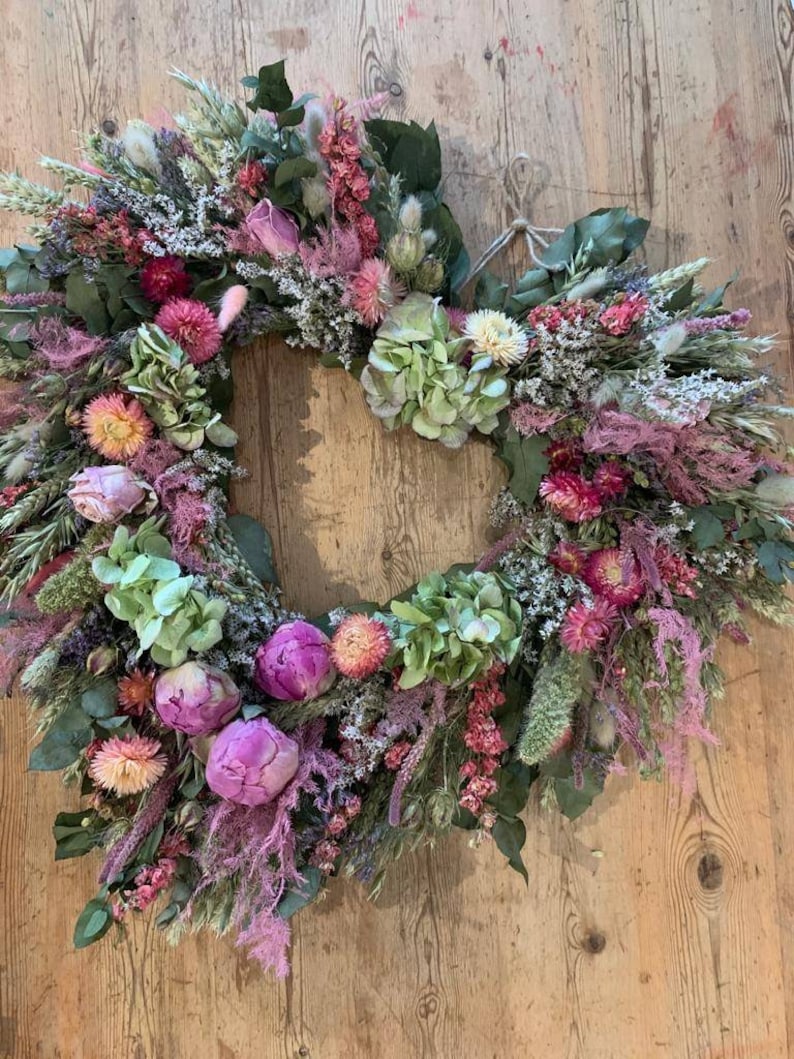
{"points": [[524, 179]]}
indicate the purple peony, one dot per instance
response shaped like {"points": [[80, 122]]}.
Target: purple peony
{"points": [[273, 228], [295, 663], [251, 762], [195, 698]]}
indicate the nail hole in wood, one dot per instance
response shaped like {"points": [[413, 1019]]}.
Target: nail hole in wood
{"points": [[386, 555], [395, 89], [110, 127], [487, 55], [595, 942], [710, 871]]}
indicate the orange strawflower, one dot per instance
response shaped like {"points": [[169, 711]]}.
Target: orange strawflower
{"points": [[359, 646], [136, 693], [116, 426]]}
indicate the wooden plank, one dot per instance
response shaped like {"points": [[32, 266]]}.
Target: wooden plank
{"points": [[654, 926]]}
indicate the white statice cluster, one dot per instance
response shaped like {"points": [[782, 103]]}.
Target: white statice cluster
{"points": [[729, 560], [564, 366], [504, 508], [544, 595], [687, 399], [184, 229], [316, 308]]}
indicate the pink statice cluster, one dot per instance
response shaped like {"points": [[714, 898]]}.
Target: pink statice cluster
{"points": [[485, 741], [623, 314]]}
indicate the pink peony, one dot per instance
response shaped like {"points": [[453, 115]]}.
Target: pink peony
{"points": [[192, 326], [295, 663], [162, 278], [571, 496], [195, 698], [614, 573], [374, 290], [106, 494], [273, 229], [251, 762], [584, 628]]}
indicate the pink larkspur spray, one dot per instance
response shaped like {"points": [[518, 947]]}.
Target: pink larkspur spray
{"points": [[192, 326]]}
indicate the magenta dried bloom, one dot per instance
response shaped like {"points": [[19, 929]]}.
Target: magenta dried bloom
{"points": [[295, 663], [195, 698], [251, 762]]}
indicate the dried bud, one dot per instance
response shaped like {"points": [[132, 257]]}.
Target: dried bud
{"points": [[49, 386], [405, 250], [315, 196], [429, 238], [602, 726], [188, 816], [429, 276], [412, 815], [101, 660]]}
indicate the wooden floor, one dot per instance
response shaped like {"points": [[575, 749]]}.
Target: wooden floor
{"points": [[657, 926]]}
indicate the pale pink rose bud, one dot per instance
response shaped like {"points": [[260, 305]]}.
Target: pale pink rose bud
{"points": [[106, 493], [195, 698], [251, 762], [273, 228]]}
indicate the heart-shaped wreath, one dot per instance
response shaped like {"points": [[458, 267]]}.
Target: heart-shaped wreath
{"points": [[233, 755]]}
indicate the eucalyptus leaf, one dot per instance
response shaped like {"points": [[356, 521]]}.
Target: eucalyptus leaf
{"points": [[254, 542]]}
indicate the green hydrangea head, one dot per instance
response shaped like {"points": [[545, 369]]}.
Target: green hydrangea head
{"points": [[416, 376], [169, 387], [455, 627], [147, 590]]}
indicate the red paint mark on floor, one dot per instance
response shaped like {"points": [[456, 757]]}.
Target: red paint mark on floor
{"points": [[412, 13], [506, 46], [539, 51], [741, 151], [725, 118]]}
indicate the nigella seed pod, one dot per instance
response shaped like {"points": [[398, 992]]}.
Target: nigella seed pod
{"points": [[429, 276], [49, 386], [112, 367], [405, 250], [441, 807], [188, 816]]}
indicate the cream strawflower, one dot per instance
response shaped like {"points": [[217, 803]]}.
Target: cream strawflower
{"points": [[128, 765], [497, 335]]}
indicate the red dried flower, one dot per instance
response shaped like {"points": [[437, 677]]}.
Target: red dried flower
{"points": [[614, 574], [584, 628], [162, 278], [192, 326], [571, 496], [568, 558], [612, 479]]}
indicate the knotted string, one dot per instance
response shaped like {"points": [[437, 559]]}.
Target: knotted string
{"points": [[522, 184]]}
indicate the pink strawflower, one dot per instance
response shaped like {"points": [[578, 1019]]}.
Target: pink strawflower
{"points": [[360, 646], [584, 628], [232, 304], [373, 290], [619, 319], [571, 496], [612, 479], [192, 326], [614, 574], [163, 278], [529, 419], [128, 765], [568, 558], [563, 454]]}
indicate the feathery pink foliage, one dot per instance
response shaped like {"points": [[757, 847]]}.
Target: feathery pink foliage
{"points": [[530, 419], [23, 639], [63, 347], [432, 719], [45, 297], [335, 251], [155, 458], [258, 846], [675, 628]]}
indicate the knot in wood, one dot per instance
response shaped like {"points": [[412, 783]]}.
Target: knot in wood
{"points": [[595, 942], [710, 871]]}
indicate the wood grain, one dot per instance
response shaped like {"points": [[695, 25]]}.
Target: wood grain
{"points": [[655, 926]]}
